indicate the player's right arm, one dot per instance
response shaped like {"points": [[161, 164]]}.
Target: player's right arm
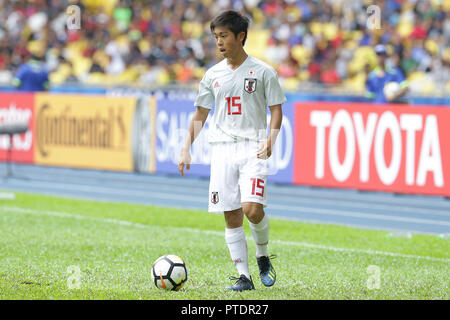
{"points": [[204, 103], [196, 125]]}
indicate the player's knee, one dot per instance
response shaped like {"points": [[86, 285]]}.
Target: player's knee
{"points": [[234, 219], [253, 211]]}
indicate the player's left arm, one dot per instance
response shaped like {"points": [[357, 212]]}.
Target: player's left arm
{"points": [[265, 150]]}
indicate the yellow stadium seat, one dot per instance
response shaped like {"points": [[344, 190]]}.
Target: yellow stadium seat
{"points": [[101, 58], [123, 41], [291, 84], [416, 75], [163, 78], [144, 45], [330, 30], [357, 35], [198, 72], [356, 84], [177, 67], [303, 75], [108, 5], [301, 54], [258, 17], [128, 76], [192, 29], [36, 47], [61, 74], [96, 78], [362, 55], [428, 88], [405, 28], [441, 4], [432, 46], [81, 65], [146, 14], [256, 43], [316, 28]]}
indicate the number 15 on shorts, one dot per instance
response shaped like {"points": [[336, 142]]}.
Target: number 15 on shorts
{"points": [[257, 187]]}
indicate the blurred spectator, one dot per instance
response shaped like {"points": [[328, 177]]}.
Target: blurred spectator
{"points": [[440, 71], [322, 42], [288, 68], [122, 15], [33, 75], [382, 75], [408, 64], [329, 75], [277, 51]]}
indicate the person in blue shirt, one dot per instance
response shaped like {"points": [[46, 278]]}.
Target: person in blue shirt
{"points": [[383, 74], [32, 76]]}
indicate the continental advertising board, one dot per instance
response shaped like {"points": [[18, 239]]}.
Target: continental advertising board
{"points": [[82, 131]]}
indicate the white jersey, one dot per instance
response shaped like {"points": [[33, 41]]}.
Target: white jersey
{"points": [[241, 98]]}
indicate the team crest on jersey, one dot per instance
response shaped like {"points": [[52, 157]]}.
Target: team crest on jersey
{"points": [[250, 85], [214, 197]]}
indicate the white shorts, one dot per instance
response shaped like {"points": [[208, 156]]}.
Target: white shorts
{"points": [[237, 176]]}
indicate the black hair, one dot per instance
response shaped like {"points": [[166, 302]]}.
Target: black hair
{"points": [[232, 20]]}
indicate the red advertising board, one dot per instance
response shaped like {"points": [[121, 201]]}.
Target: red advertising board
{"points": [[17, 107], [394, 148]]}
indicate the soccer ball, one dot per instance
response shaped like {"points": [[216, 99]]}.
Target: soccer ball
{"points": [[390, 89], [169, 272]]}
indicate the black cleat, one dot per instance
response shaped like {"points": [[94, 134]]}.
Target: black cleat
{"points": [[242, 283], [266, 271]]}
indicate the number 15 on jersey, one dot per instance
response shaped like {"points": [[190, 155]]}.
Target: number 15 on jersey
{"points": [[234, 107]]}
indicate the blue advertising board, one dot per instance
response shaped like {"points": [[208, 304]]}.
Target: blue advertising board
{"points": [[173, 117]]}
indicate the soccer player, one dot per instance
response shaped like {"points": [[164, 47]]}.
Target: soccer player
{"points": [[242, 88]]}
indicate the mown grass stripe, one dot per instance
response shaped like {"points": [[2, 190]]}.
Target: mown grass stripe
{"points": [[217, 233]]}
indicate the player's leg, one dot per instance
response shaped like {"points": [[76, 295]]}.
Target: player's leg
{"points": [[236, 241], [225, 198], [252, 182], [260, 226], [237, 245]]}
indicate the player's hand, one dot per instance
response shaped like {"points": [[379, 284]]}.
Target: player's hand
{"points": [[265, 151], [185, 159]]}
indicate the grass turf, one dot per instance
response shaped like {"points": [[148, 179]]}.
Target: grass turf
{"points": [[44, 239]]}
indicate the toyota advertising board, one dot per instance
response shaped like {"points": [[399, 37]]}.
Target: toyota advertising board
{"points": [[393, 148]]}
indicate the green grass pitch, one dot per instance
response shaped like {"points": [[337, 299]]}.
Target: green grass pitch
{"points": [[59, 248]]}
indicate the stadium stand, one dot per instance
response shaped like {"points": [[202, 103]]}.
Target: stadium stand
{"points": [[317, 43]]}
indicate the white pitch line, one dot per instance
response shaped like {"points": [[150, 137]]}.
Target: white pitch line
{"points": [[296, 208], [218, 233], [7, 196]]}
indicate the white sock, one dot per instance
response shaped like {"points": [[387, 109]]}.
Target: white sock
{"points": [[237, 244], [260, 232]]}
